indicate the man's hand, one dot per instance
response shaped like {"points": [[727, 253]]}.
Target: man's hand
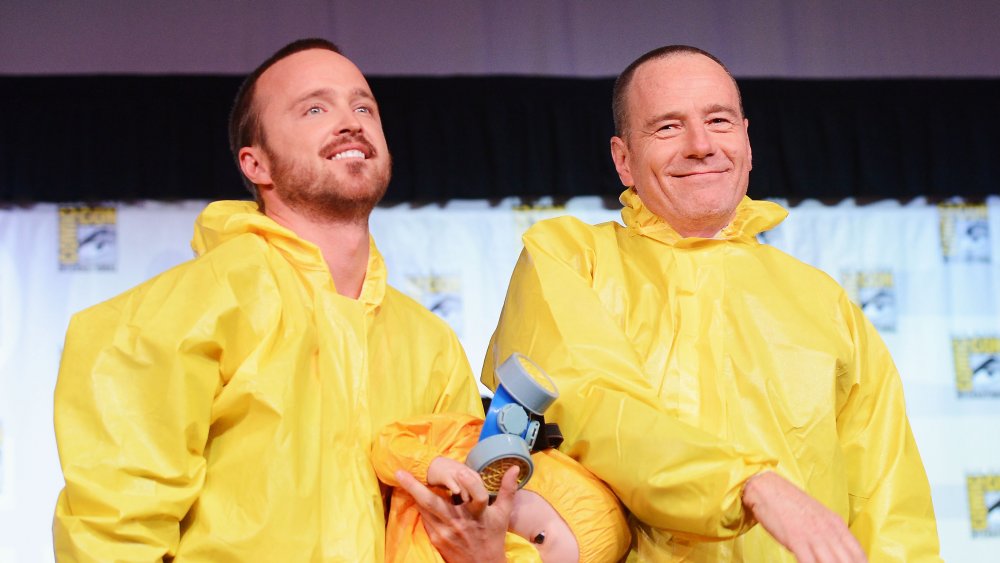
{"points": [[811, 531], [473, 531]]}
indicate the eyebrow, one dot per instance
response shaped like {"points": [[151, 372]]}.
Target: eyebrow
{"points": [[714, 108], [329, 93], [721, 108], [362, 93], [663, 117]]}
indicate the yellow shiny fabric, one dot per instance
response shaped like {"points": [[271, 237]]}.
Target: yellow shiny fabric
{"points": [[224, 410], [412, 444], [593, 514], [687, 365]]}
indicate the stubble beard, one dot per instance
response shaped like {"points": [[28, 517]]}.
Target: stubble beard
{"points": [[323, 196]]}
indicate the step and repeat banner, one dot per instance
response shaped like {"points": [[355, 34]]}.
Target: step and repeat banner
{"points": [[928, 277]]}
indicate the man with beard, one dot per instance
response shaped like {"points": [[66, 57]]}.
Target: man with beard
{"points": [[224, 410]]}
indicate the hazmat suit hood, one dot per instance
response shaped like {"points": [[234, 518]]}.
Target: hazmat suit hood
{"points": [[751, 218]]}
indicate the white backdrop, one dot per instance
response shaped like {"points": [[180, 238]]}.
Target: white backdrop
{"points": [[927, 275]]}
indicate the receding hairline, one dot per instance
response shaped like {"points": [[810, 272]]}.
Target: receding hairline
{"points": [[357, 92], [623, 84], [244, 128], [270, 70]]}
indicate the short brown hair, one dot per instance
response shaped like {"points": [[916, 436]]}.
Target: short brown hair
{"points": [[245, 129], [618, 97]]}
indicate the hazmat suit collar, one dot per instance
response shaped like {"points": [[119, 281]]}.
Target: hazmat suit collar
{"points": [[752, 218], [222, 221]]}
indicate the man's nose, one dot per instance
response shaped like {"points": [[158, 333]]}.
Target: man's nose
{"points": [[698, 142], [347, 122]]}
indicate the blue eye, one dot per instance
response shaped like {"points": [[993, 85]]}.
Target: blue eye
{"points": [[363, 109], [315, 110]]}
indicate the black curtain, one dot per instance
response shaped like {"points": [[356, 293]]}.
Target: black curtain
{"points": [[98, 138]]}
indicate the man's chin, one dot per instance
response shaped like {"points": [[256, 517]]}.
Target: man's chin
{"points": [[344, 196], [340, 205]]}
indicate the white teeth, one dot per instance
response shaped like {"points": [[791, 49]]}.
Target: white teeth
{"points": [[353, 153]]}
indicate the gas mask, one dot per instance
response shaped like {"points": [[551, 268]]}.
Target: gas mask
{"points": [[510, 430]]}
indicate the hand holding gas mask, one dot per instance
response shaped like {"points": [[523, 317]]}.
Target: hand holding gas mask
{"points": [[514, 422]]}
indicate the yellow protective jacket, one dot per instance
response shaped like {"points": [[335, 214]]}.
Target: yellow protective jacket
{"points": [[225, 410], [686, 365], [411, 445]]}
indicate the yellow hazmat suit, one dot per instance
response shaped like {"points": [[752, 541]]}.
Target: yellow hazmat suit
{"points": [[687, 365], [412, 444], [224, 410], [593, 514]]}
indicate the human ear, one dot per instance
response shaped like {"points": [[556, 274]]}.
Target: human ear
{"points": [[255, 166], [620, 156]]}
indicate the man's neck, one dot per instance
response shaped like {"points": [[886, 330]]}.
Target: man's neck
{"points": [[708, 227], [344, 245], [700, 232]]}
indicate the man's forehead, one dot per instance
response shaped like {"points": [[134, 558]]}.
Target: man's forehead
{"points": [[682, 75], [678, 70], [312, 69]]}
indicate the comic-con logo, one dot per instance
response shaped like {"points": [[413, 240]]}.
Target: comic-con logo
{"points": [[875, 293], [977, 366], [965, 232], [441, 294], [984, 504], [87, 238]]}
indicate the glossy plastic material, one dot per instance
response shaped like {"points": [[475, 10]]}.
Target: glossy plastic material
{"points": [[225, 410], [687, 365]]}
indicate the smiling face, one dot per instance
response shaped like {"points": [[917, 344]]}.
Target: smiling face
{"points": [[322, 151], [685, 146]]}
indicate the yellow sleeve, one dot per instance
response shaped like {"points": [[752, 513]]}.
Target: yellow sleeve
{"points": [[669, 474], [520, 550], [460, 394], [890, 499], [133, 404], [412, 444]]}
